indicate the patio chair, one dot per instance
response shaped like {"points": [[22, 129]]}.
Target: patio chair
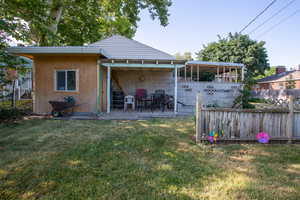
{"points": [[158, 100], [140, 97], [129, 100]]}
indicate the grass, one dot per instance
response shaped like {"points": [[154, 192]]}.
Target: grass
{"points": [[155, 159], [24, 104]]}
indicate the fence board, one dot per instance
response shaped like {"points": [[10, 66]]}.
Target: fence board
{"points": [[296, 127], [245, 125]]}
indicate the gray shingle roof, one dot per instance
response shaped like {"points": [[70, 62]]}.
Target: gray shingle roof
{"points": [[275, 77], [119, 47]]}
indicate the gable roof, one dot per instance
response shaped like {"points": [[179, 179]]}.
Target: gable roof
{"points": [[119, 47], [275, 77]]}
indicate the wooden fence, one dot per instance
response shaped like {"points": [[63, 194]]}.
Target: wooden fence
{"points": [[281, 122]]}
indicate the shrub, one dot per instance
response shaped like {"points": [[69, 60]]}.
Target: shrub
{"points": [[10, 114]]}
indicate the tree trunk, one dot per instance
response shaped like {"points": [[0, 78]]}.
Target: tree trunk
{"points": [[54, 14]]}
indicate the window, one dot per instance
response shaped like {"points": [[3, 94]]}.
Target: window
{"points": [[66, 80]]}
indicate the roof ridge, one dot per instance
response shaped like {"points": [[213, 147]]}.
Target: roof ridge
{"points": [[274, 77], [135, 41], [150, 47]]}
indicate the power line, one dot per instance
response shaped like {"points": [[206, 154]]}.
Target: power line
{"points": [[283, 20], [257, 16], [275, 14]]}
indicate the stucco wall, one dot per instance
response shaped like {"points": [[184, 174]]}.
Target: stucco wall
{"points": [[44, 68], [222, 94], [151, 80]]}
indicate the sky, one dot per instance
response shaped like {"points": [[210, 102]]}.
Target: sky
{"points": [[193, 23]]}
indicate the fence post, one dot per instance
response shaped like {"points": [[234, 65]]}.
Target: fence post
{"points": [[290, 120], [198, 117]]}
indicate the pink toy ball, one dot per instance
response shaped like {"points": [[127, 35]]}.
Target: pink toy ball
{"points": [[263, 137]]}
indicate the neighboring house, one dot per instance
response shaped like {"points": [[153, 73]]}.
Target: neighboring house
{"points": [[278, 86], [282, 79], [95, 74], [23, 85]]}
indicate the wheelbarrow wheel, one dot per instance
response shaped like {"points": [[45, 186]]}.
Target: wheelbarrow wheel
{"points": [[55, 113]]}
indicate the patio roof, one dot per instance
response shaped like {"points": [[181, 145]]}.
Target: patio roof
{"points": [[133, 65], [213, 64]]}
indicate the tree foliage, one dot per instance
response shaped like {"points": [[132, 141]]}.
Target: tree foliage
{"points": [[239, 48], [269, 72], [77, 22], [185, 56]]}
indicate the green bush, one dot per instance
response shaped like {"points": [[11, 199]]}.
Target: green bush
{"points": [[257, 100], [10, 114]]}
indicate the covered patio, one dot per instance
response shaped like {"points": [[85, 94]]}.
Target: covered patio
{"points": [[125, 77], [218, 71]]}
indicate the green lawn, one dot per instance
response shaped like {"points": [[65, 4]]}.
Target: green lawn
{"points": [[155, 159]]}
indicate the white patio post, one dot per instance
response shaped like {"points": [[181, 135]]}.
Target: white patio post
{"points": [[243, 73], [236, 74], [175, 90], [218, 74], [191, 72], [198, 79], [108, 89], [185, 72]]}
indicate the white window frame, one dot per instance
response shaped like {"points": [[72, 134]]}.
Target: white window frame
{"points": [[66, 80]]}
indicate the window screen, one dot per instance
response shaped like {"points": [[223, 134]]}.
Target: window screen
{"points": [[60, 80], [71, 80]]}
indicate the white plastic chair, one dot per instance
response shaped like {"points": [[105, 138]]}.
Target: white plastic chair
{"points": [[129, 100]]}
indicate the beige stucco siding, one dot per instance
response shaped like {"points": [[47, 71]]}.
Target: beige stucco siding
{"points": [[44, 90]]}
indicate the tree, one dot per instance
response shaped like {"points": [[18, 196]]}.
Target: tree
{"points": [[290, 84], [239, 48], [268, 72], [186, 56], [178, 56], [77, 22]]}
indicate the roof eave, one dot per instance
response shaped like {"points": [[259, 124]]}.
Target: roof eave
{"points": [[207, 63], [29, 51]]}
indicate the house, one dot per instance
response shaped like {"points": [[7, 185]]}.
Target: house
{"points": [[282, 79], [97, 73]]}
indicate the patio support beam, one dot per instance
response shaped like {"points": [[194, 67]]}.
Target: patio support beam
{"points": [[185, 72], [198, 74], [191, 72], [231, 75], [175, 90], [223, 74], [108, 89], [236, 75], [243, 73], [218, 73]]}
